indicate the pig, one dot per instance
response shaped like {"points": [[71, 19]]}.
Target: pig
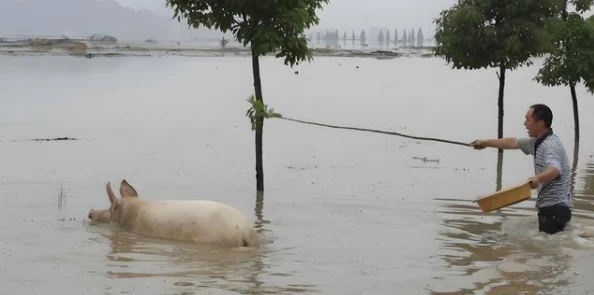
{"points": [[199, 221]]}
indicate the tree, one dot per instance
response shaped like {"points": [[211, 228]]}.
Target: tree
{"points": [[362, 37], [501, 34], [571, 60], [335, 38], [267, 26], [420, 38]]}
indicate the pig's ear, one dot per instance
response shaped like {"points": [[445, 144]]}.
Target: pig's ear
{"points": [[127, 191], [112, 198]]}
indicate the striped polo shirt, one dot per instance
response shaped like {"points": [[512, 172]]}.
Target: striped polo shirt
{"points": [[549, 152]]}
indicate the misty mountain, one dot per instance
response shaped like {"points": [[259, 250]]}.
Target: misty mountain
{"points": [[82, 18]]}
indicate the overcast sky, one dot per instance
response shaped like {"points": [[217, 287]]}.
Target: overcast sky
{"points": [[354, 14]]}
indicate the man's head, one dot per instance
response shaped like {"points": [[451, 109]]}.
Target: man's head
{"points": [[539, 119]]}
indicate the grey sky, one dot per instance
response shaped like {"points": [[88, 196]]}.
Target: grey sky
{"points": [[354, 14]]}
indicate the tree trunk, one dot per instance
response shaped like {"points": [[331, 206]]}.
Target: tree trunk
{"points": [[500, 122], [576, 116], [259, 124], [500, 102], [500, 125], [572, 84]]}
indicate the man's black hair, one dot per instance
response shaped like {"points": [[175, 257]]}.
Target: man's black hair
{"points": [[542, 112]]}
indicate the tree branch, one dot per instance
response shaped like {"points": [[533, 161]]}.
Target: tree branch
{"points": [[376, 131]]}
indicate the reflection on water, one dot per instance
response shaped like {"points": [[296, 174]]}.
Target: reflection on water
{"points": [[583, 197], [191, 267], [503, 252], [576, 152], [258, 210], [499, 170]]}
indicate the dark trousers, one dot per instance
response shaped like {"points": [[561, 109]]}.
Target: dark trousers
{"points": [[553, 219]]}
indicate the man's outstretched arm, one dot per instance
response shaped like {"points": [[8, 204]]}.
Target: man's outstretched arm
{"points": [[507, 143]]}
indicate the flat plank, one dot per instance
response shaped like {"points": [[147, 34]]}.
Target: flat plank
{"points": [[505, 197]]}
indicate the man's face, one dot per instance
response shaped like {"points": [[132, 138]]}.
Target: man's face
{"points": [[533, 127]]}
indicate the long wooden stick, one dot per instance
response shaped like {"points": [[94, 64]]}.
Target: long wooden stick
{"points": [[376, 131]]}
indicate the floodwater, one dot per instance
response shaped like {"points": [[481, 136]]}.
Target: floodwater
{"points": [[344, 212]]}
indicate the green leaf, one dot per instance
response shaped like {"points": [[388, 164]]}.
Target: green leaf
{"points": [[475, 34], [571, 59], [259, 111], [582, 6], [267, 25]]}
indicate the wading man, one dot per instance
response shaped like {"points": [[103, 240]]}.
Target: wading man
{"points": [[551, 167]]}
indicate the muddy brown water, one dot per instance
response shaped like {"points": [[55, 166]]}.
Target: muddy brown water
{"points": [[344, 212]]}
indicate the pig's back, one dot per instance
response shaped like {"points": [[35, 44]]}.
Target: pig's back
{"points": [[200, 221]]}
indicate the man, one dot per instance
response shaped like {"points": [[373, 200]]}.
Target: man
{"points": [[551, 165]]}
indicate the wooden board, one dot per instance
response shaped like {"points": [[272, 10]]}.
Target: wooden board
{"points": [[505, 197]]}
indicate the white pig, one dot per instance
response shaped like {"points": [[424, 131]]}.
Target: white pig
{"points": [[200, 221]]}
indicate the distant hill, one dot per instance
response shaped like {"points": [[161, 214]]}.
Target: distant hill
{"points": [[82, 18]]}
